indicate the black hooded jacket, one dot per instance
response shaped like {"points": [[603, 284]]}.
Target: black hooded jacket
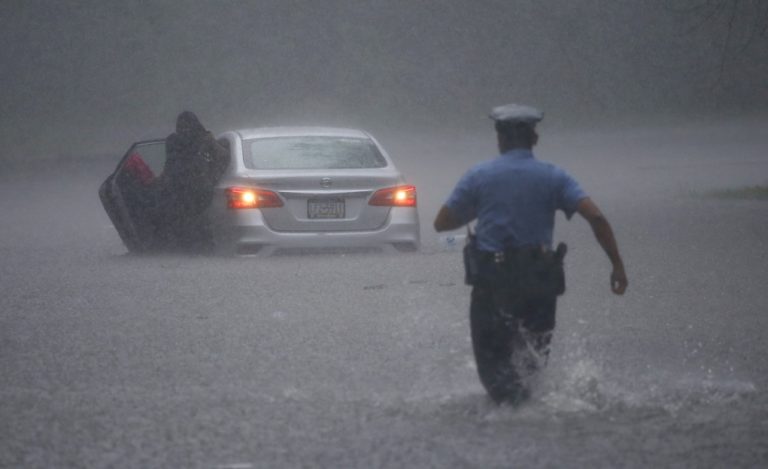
{"points": [[194, 163]]}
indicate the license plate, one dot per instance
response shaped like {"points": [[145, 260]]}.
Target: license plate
{"points": [[325, 208]]}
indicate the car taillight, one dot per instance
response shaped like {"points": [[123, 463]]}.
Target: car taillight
{"points": [[400, 196], [246, 197]]}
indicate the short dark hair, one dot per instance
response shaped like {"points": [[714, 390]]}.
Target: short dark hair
{"points": [[517, 134]]}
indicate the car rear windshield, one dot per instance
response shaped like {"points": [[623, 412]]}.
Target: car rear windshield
{"points": [[312, 152]]}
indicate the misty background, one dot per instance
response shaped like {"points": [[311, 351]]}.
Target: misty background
{"points": [[86, 78], [657, 107]]}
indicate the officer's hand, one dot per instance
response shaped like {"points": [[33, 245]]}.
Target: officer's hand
{"points": [[619, 281]]}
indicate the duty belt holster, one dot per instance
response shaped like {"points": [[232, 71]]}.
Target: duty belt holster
{"points": [[533, 272], [472, 259]]}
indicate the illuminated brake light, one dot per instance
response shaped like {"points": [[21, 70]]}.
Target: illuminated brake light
{"points": [[400, 196], [246, 197]]}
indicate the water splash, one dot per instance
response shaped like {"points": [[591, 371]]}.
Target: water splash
{"points": [[584, 382]]}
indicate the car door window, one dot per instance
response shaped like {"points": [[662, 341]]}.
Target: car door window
{"points": [[153, 155]]}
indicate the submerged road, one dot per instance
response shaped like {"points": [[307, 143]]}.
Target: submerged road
{"points": [[364, 360]]}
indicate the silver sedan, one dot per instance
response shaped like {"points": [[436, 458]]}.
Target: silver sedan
{"points": [[288, 188], [311, 187]]}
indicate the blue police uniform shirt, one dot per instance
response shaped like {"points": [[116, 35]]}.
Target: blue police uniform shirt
{"points": [[514, 198]]}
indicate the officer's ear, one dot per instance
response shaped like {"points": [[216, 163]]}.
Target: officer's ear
{"points": [[501, 141]]}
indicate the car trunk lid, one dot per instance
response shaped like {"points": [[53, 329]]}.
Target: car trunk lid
{"points": [[324, 200]]}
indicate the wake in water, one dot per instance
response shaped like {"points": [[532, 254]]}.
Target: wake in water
{"points": [[580, 382], [583, 383]]}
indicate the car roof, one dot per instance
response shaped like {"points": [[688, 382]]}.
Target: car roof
{"points": [[266, 132]]}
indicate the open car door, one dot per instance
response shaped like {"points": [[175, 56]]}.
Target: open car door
{"points": [[130, 195]]}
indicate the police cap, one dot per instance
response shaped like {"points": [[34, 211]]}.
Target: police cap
{"points": [[516, 114]]}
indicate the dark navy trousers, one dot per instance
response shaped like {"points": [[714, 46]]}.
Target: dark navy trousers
{"points": [[511, 334]]}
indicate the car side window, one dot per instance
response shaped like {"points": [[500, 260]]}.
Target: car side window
{"points": [[153, 154]]}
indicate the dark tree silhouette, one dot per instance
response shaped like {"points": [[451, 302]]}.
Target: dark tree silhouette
{"points": [[736, 25], [745, 18]]}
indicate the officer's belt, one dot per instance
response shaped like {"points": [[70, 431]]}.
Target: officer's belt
{"points": [[522, 253]]}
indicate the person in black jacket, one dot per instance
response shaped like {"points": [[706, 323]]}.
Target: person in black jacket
{"points": [[194, 163]]}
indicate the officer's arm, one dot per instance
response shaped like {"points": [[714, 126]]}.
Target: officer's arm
{"points": [[604, 235], [446, 220]]}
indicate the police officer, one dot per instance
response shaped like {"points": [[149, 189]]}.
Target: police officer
{"points": [[518, 276]]}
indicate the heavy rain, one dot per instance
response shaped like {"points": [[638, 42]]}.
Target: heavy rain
{"points": [[363, 359]]}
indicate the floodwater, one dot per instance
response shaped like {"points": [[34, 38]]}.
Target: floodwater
{"points": [[364, 360]]}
